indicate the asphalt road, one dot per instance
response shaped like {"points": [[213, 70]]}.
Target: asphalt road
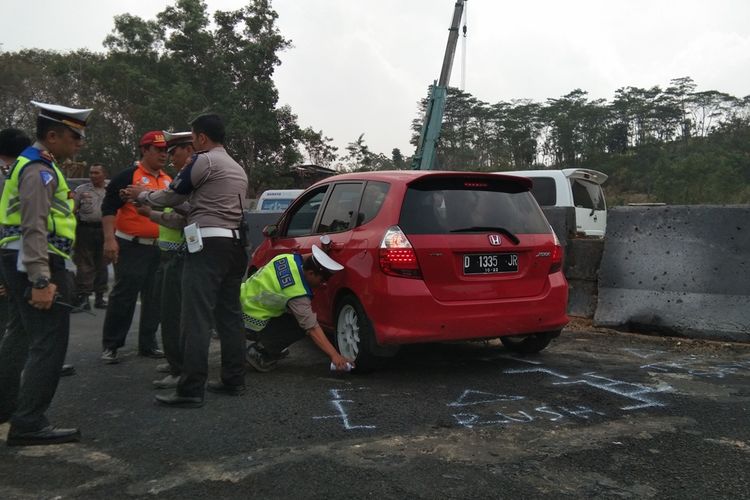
{"points": [[596, 415]]}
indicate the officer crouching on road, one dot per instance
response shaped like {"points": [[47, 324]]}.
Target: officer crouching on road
{"points": [[39, 227], [276, 303]]}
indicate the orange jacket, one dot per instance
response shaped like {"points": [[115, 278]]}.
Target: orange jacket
{"points": [[128, 220]]}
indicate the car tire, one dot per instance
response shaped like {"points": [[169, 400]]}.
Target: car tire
{"points": [[355, 336], [528, 344]]}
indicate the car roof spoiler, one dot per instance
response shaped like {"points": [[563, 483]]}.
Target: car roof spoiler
{"points": [[586, 174]]}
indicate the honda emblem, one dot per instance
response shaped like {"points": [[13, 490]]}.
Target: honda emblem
{"points": [[494, 239]]}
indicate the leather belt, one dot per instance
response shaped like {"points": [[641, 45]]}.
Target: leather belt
{"points": [[135, 239], [219, 232]]}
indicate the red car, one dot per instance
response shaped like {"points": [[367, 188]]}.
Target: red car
{"points": [[429, 256]]}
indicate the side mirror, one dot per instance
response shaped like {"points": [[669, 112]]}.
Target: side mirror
{"points": [[270, 230]]}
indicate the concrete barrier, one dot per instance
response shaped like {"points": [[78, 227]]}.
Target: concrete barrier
{"points": [[681, 270], [582, 259], [563, 222]]}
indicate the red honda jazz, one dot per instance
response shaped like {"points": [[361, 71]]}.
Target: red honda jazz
{"points": [[428, 256]]}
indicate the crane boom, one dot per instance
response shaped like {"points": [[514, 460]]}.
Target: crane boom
{"points": [[424, 158]]}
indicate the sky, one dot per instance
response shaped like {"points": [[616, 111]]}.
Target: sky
{"points": [[361, 66]]}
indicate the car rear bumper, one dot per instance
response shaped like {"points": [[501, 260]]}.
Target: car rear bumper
{"points": [[409, 314]]}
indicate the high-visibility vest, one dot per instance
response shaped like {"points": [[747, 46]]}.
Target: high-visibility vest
{"points": [[264, 295], [170, 240], [61, 221]]}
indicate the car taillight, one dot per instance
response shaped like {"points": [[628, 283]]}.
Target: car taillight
{"points": [[557, 256], [397, 257]]}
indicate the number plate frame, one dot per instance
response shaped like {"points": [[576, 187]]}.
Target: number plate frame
{"points": [[490, 263]]}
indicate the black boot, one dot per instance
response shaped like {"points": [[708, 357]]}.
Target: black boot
{"points": [[82, 303], [99, 302]]}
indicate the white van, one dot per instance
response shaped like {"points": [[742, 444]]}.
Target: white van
{"points": [[572, 187], [276, 200]]}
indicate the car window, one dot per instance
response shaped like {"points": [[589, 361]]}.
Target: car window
{"points": [[545, 191], [340, 207], [302, 219], [587, 194], [372, 199], [275, 204], [442, 206]]}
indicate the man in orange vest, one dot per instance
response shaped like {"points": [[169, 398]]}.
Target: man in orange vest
{"points": [[131, 244]]}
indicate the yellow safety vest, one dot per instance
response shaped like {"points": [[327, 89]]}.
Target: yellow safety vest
{"points": [[61, 222], [170, 240], [264, 295]]}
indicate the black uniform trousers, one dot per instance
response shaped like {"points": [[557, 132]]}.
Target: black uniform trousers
{"points": [[135, 272], [171, 305], [35, 344], [211, 282], [280, 333], [88, 255]]}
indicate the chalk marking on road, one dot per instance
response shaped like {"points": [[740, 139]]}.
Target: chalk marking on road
{"points": [[535, 370], [338, 403], [643, 353], [628, 390], [688, 366], [471, 420], [513, 358], [468, 398], [547, 409]]}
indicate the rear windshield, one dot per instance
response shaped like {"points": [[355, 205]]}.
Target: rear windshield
{"points": [[545, 191], [587, 194], [442, 206]]}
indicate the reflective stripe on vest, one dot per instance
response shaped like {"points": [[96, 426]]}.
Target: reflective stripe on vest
{"points": [[171, 240], [264, 295], [61, 222]]}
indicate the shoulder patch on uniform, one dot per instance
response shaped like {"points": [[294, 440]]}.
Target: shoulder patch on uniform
{"points": [[283, 273], [46, 176]]}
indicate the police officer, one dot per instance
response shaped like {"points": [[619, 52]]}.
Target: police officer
{"points": [[276, 303], [214, 185], [130, 244], [172, 246], [12, 142], [35, 198]]}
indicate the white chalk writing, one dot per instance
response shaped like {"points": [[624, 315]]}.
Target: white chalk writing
{"points": [[338, 404]]}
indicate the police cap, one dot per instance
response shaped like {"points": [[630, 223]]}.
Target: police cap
{"points": [[74, 119], [175, 139]]}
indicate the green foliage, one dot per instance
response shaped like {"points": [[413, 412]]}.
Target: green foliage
{"points": [[675, 145], [160, 74]]}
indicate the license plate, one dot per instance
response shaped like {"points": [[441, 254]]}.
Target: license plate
{"points": [[490, 263]]}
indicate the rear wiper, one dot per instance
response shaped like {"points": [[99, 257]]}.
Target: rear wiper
{"points": [[502, 230]]}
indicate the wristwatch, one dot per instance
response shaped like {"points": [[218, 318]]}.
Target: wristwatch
{"points": [[40, 283]]}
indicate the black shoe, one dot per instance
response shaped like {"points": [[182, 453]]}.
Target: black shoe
{"points": [[47, 435], [82, 304], [99, 302], [220, 387], [178, 401], [67, 370], [152, 353]]}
